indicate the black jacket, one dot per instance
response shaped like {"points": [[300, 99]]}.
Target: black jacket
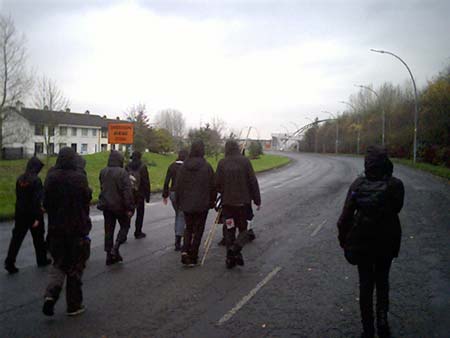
{"points": [[66, 197], [376, 234], [235, 178], [29, 192], [144, 184], [171, 177], [195, 190], [116, 193]]}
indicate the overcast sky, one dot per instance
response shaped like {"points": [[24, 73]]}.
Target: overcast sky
{"points": [[269, 64]]}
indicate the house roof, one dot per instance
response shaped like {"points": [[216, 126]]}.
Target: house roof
{"points": [[39, 116]]}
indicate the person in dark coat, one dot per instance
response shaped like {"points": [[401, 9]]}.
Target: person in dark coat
{"points": [[28, 216], [66, 199], [195, 195], [170, 179], [117, 203], [236, 182], [370, 234], [141, 191]]}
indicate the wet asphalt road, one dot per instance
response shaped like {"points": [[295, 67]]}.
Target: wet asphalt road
{"points": [[295, 282]]}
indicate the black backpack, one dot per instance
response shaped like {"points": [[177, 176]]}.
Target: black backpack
{"points": [[371, 198]]}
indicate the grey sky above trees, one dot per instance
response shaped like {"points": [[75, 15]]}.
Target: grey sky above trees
{"points": [[260, 63]]}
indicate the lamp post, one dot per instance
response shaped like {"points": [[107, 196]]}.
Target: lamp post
{"points": [[358, 131], [415, 97], [337, 130], [383, 118]]}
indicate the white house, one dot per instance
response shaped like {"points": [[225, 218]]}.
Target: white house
{"points": [[37, 131]]}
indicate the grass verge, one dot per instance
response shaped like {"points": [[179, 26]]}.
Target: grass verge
{"points": [[437, 170]]}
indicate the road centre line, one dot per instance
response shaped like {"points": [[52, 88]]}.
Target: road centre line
{"points": [[249, 296], [318, 228]]}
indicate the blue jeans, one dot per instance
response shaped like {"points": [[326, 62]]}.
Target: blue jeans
{"points": [[179, 216]]}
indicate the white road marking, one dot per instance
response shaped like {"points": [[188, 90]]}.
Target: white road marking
{"points": [[250, 295], [318, 228]]}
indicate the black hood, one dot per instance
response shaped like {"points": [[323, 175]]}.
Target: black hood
{"points": [[81, 162], [376, 163], [182, 155], [34, 166], [115, 159], [67, 159], [135, 160], [197, 149], [194, 163], [231, 148]]}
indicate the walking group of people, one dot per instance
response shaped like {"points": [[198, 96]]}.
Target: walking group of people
{"points": [[369, 227]]}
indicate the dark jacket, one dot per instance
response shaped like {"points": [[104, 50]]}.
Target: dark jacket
{"points": [[195, 190], [67, 197], [116, 193], [235, 178], [144, 183], [171, 177], [29, 192], [376, 234]]}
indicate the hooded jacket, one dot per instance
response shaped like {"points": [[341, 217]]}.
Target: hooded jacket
{"points": [[116, 194], [235, 178], [368, 233], [29, 192], [195, 190], [144, 183], [66, 197], [171, 175]]}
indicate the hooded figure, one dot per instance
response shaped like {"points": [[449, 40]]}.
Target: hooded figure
{"points": [[195, 195], [171, 177], [117, 203], [28, 216], [370, 234], [139, 173], [237, 184], [66, 198]]}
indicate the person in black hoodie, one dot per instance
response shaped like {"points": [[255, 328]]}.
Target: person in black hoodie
{"points": [[117, 203], [370, 234], [28, 216], [171, 177], [195, 195], [66, 199], [236, 182], [141, 190]]}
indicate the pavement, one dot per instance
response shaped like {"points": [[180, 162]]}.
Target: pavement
{"points": [[295, 282]]}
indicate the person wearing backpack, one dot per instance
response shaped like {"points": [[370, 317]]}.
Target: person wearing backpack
{"points": [[140, 183], [370, 234]]}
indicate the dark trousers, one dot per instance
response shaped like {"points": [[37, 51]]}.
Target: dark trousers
{"points": [[19, 231], [69, 260], [140, 209], [373, 273], [110, 225], [195, 225], [239, 215]]}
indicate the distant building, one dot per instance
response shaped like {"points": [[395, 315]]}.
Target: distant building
{"points": [[29, 131]]}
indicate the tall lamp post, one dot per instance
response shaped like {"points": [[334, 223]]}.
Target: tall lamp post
{"points": [[358, 132], [337, 130], [415, 97], [383, 118]]}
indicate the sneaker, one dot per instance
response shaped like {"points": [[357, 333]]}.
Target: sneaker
{"points": [[42, 264], [239, 259], [11, 268], [192, 262], [49, 305], [76, 312], [140, 235], [185, 259], [113, 258]]}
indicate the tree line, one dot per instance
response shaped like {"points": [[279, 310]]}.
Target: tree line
{"points": [[365, 119]]}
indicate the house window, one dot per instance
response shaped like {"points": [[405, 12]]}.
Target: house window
{"points": [[38, 147], [94, 132], [74, 131], [63, 131], [51, 131], [84, 148], [84, 132], [113, 147], [51, 149], [38, 129], [104, 147], [62, 145], [74, 146], [104, 133]]}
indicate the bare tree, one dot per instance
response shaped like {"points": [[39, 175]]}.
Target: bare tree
{"points": [[15, 81], [218, 125], [48, 95], [173, 121]]}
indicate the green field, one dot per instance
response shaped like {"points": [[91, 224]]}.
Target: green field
{"points": [[433, 169], [157, 165]]}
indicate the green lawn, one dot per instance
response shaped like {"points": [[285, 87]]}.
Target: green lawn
{"points": [[433, 169], [157, 165]]}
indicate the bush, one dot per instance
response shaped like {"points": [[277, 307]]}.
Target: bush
{"points": [[255, 149]]}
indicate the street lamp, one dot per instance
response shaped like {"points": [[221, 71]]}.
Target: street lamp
{"points": [[415, 97], [358, 131], [337, 129], [383, 118]]}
